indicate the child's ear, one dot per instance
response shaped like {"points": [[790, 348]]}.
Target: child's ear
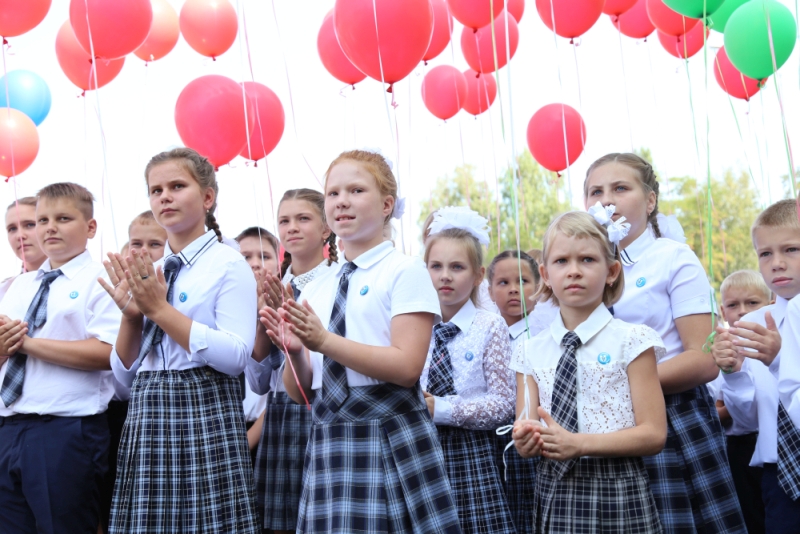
{"points": [[92, 228], [613, 272], [480, 277], [544, 279]]}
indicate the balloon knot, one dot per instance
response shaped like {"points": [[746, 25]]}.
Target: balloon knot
{"points": [[213, 58], [616, 19], [83, 94], [389, 90], [5, 42], [425, 62], [255, 164], [7, 179], [354, 87], [572, 41]]}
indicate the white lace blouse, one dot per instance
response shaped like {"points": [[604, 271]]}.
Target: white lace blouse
{"points": [[608, 346], [486, 386]]}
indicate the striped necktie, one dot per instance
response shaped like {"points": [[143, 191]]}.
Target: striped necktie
{"points": [[334, 375], [152, 334], [788, 454], [440, 374], [564, 407]]}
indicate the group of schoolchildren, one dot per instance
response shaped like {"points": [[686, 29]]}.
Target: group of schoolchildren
{"points": [[192, 383]]}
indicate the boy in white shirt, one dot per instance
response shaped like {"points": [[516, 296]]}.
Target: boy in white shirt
{"points": [[58, 332], [749, 356], [21, 233]]}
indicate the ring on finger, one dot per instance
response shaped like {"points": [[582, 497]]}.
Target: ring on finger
{"points": [[145, 277]]}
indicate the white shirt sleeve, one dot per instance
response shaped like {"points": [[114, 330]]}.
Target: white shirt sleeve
{"points": [[123, 375], [689, 291], [739, 396], [259, 374], [789, 373], [413, 292]]}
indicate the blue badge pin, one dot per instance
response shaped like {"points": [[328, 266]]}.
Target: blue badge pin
{"points": [[469, 356], [73, 295], [364, 290], [604, 358], [641, 282], [182, 297]]}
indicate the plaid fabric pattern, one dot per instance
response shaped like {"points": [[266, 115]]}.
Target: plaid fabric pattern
{"points": [[334, 376], [788, 454], [275, 357], [375, 465], [518, 476], [469, 458], [691, 478], [608, 495], [440, 375], [184, 464], [35, 317], [152, 333], [565, 395], [279, 461]]}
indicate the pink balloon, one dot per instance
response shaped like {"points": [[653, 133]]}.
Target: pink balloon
{"points": [[732, 81], [164, 32], [635, 22], [573, 17], [20, 16], [404, 30], [332, 55], [77, 63], [475, 13], [118, 27], [209, 26], [516, 8], [684, 46], [481, 92], [546, 139], [19, 142], [269, 121], [442, 29], [667, 20], [210, 116], [477, 46], [617, 7], [444, 91]]}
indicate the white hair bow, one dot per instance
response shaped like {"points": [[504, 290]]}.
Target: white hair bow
{"points": [[463, 218], [399, 208], [617, 230]]}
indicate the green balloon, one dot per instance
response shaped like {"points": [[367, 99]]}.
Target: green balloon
{"points": [[720, 17], [695, 9], [747, 40]]}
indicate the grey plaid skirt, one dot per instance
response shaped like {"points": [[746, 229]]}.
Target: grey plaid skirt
{"points": [[183, 463], [376, 466], [279, 461], [598, 495], [518, 475]]}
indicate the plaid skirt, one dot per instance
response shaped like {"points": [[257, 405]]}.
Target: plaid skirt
{"points": [[691, 478], [471, 462], [376, 466], [598, 495], [183, 463], [279, 462], [518, 476]]}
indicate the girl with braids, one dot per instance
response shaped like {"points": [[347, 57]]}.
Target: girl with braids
{"points": [[281, 451], [186, 335], [667, 289]]}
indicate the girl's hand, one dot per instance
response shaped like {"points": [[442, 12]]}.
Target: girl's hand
{"points": [[279, 332], [148, 287], [430, 401], [527, 438], [305, 324], [274, 292], [764, 342], [120, 291], [557, 443], [725, 354], [261, 298], [12, 335]]}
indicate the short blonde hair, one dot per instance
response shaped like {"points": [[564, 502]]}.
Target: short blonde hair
{"points": [[146, 217], [583, 226], [470, 244], [782, 214], [376, 165], [745, 279]]}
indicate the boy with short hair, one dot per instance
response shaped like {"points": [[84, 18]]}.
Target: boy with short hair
{"points": [[749, 354], [21, 233], [58, 331], [144, 233]]}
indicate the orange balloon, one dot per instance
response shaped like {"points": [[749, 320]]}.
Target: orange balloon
{"points": [[77, 63], [19, 142], [164, 32], [209, 26]]}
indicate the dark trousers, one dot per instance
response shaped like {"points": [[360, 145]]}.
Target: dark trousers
{"points": [[51, 469], [782, 514], [117, 413], [747, 480]]}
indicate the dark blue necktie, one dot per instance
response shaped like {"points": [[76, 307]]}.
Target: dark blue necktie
{"points": [[295, 290], [334, 375], [440, 373], [152, 334], [36, 317], [564, 406]]}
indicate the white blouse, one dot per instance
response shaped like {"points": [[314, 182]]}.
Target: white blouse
{"points": [[480, 354], [609, 345]]}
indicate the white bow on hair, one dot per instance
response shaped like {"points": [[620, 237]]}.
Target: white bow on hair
{"points": [[617, 230], [399, 208], [463, 218]]}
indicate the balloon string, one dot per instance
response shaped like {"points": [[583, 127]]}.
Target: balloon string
{"points": [[691, 107], [458, 98], [563, 113], [239, 9], [625, 85], [710, 204], [766, 143], [751, 135]]}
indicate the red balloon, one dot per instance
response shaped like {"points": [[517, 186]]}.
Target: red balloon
{"points": [[481, 92], [332, 56], [444, 91], [269, 121], [118, 27], [209, 26], [617, 7], [404, 30], [77, 63], [475, 13], [684, 46], [732, 81], [516, 8], [164, 32], [19, 141], [667, 20], [573, 17], [442, 29], [546, 138], [477, 46], [18, 17], [210, 116], [634, 23]]}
